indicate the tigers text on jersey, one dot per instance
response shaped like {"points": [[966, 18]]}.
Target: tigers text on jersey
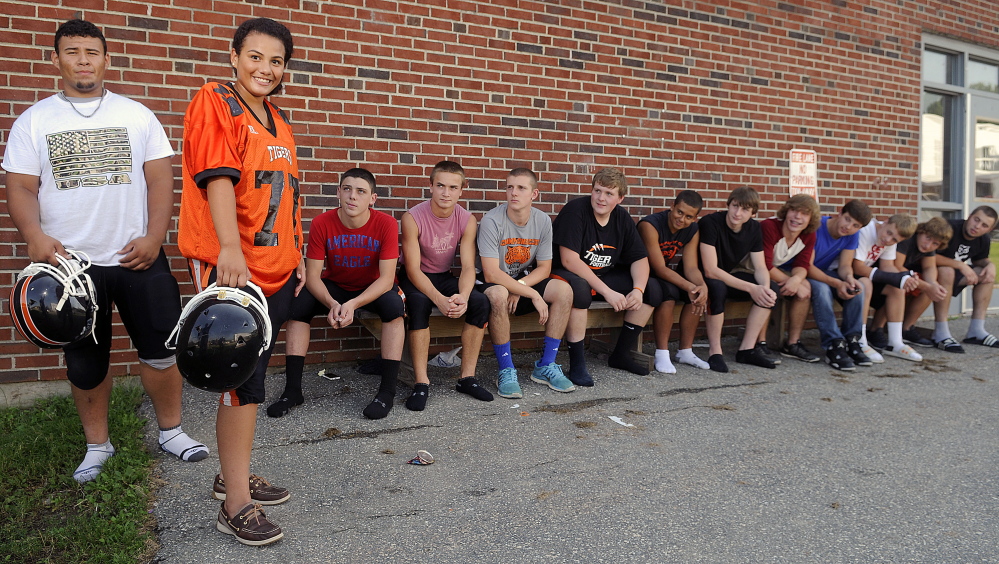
{"points": [[222, 137]]}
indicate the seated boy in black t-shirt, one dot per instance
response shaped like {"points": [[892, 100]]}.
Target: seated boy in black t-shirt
{"points": [[670, 238], [965, 262], [600, 254], [727, 239], [917, 254]]}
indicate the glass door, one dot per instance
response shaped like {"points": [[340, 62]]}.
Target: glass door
{"points": [[983, 185]]}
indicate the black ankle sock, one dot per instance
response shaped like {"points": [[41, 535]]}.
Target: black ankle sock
{"points": [[717, 363], [471, 387], [385, 398], [380, 406], [624, 361], [578, 374], [281, 407], [418, 400]]}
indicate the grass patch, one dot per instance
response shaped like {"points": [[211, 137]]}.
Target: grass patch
{"points": [[46, 516]]}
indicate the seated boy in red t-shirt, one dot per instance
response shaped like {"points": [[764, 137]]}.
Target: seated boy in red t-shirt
{"points": [[350, 264]]}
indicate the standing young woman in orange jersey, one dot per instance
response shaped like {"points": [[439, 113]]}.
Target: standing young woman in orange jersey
{"points": [[240, 221]]}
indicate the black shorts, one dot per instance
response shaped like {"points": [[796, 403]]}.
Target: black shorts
{"points": [[618, 280], [524, 305], [148, 303], [278, 310], [670, 291], [878, 297], [719, 292], [389, 306], [419, 306]]}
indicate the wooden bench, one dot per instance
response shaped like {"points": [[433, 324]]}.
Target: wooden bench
{"points": [[601, 316]]}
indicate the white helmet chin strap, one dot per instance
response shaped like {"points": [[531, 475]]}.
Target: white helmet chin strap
{"points": [[72, 274], [237, 295]]}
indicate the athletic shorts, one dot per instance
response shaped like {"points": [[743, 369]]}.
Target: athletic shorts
{"points": [[618, 280], [719, 292], [419, 306], [670, 291], [389, 306], [278, 310], [524, 305], [148, 303]]}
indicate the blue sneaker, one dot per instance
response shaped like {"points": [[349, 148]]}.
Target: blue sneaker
{"points": [[551, 375], [507, 385]]}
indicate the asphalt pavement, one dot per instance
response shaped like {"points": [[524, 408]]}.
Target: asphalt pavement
{"points": [[893, 463]]}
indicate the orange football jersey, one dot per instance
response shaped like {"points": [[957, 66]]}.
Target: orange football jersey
{"points": [[223, 138]]}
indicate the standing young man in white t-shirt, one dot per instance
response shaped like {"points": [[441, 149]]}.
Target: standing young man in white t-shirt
{"points": [[90, 170]]}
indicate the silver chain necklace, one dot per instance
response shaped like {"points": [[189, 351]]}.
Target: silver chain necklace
{"points": [[81, 114]]}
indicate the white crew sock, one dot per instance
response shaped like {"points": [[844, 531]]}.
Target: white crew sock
{"points": [[863, 335], [93, 462], [895, 335], [687, 356], [663, 363]]}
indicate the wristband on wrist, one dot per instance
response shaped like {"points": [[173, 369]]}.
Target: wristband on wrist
{"points": [[639, 289]]}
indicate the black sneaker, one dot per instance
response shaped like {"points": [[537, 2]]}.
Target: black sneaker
{"points": [[261, 491], [913, 337], [755, 357], [838, 357], [877, 338], [857, 352], [249, 526], [767, 353], [798, 351]]}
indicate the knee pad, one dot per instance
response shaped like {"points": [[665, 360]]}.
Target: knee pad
{"points": [[159, 363]]}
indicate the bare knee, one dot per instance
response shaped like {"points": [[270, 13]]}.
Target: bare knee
{"points": [[498, 296]]}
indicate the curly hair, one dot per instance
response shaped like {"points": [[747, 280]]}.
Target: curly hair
{"points": [[806, 204]]}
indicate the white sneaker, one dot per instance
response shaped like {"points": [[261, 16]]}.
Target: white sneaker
{"points": [[905, 351], [872, 354]]}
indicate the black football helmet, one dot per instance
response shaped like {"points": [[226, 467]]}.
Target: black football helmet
{"points": [[220, 336], [53, 306]]}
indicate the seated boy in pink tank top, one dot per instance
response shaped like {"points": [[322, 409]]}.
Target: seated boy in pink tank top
{"points": [[433, 233]]}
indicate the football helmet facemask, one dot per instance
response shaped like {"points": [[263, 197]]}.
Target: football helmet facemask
{"points": [[53, 306], [220, 336]]}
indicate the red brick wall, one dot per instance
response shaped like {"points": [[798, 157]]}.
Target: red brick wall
{"points": [[680, 94]]}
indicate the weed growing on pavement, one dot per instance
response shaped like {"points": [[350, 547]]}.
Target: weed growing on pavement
{"points": [[46, 515]]}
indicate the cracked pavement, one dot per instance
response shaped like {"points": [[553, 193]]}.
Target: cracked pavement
{"points": [[894, 463]]}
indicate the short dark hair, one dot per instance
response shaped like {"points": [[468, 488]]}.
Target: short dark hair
{"points": [[989, 211], [362, 173], [269, 27], [79, 28], [691, 198], [450, 167], [857, 210], [523, 171]]}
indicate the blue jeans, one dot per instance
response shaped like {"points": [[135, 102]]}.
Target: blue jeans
{"points": [[822, 309]]}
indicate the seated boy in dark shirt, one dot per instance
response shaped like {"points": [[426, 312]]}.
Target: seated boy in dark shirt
{"points": [[727, 238], [601, 256], [671, 238]]}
